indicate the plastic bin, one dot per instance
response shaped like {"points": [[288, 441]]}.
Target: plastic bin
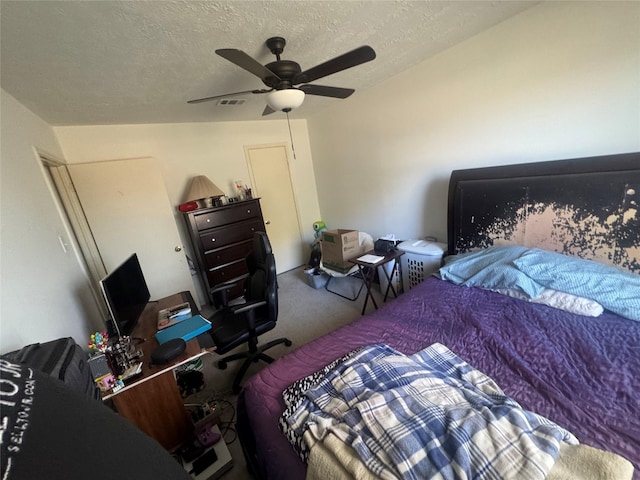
{"points": [[315, 280], [420, 260]]}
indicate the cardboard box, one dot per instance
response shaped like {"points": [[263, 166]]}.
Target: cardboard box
{"points": [[338, 246]]}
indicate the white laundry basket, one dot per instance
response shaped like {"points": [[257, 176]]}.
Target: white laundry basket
{"points": [[420, 260]]}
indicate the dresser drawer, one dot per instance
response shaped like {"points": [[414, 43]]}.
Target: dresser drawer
{"points": [[228, 254], [227, 272], [222, 237], [219, 237], [231, 214]]}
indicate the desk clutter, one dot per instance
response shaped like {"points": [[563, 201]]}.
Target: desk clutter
{"points": [[114, 361], [155, 399], [172, 315], [208, 458]]}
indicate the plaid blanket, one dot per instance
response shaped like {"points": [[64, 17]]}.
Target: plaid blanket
{"points": [[429, 415]]}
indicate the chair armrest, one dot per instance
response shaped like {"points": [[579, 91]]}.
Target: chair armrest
{"points": [[245, 307], [222, 287], [248, 309]]}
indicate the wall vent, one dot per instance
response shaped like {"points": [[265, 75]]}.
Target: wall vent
{"points": [[231, 101]]}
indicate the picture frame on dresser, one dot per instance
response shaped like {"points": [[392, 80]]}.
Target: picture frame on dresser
{"points": [[221, 238]]}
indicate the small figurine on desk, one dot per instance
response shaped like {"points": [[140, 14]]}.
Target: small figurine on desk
{"points": [[106, 382], [99, 341], [109, 383]]}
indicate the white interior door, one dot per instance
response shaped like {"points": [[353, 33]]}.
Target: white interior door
{"points": [[87, 250], [128, 210], [271, 181]]}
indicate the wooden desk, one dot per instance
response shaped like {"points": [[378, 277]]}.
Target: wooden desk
{"points": [[368, 271], [152, 401]]}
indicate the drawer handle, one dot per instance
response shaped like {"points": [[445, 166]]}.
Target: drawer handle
{"points": [[208, 220], [248, 210], [213, 239]]}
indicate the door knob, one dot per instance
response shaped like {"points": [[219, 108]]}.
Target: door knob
{"points": [[178, 248], [268, 222]]}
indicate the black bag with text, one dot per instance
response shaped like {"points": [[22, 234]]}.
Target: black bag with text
{"points": [[62, 359]]}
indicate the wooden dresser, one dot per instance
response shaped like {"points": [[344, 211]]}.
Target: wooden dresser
{"points": [[221, 238]]}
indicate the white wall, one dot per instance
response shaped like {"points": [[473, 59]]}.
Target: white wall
{"points": [[44, 294], [212, 149], [560, 80]]}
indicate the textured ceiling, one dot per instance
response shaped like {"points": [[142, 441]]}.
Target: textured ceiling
{"points": [[125, 62]]}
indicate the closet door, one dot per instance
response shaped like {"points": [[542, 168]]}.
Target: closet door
{"points": [[271, 181], [128, 210]]}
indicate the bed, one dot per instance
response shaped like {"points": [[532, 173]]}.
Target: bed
{"points": [[581, 372]]}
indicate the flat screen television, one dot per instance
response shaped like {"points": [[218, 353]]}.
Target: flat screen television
{"points": [[126, 293]]}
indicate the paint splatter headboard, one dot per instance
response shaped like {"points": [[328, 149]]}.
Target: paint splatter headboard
{"points": [[584, 207]]}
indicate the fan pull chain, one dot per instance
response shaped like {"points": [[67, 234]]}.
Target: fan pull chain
{"points": [[291, 136]]}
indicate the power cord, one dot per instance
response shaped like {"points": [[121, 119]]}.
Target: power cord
{"points": [[227, 421], [216, 407]]}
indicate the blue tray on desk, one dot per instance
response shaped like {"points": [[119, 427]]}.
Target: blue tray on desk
{"points": [[186, 329]]}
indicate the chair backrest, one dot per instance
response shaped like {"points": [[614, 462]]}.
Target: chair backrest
{"points": [[262, 283]]}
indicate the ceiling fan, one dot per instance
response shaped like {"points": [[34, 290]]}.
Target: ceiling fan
{"points": [[283, 76]]}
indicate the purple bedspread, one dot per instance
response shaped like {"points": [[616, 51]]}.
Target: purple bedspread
{"points": [[581, 372]]}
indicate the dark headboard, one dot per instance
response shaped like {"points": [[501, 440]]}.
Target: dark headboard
{"points": [[585, 207]]}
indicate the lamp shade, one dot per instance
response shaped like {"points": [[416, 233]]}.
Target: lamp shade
{"points": [[201, 187], [285, 100]]}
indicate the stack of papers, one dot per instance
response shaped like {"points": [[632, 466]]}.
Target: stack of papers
{"points": [[370, 258], [171, 316]]}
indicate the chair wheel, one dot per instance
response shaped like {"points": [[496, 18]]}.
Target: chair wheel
{"points": [[287, 343], [222, 365]]}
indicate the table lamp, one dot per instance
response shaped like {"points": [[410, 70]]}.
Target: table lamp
{"points": [[202, 188]]}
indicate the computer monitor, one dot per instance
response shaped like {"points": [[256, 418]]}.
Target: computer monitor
{"points": [[126, 294]]}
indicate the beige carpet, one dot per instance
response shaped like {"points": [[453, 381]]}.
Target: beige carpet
{"points": [[305, 313]]}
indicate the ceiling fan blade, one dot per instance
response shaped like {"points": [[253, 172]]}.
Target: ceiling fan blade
{"points": [[325, 91], [268, 111], [248, 63], [208, 99], [347, 60]]}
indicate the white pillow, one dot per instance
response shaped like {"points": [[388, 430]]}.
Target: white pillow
{"points": [[560, 300]]}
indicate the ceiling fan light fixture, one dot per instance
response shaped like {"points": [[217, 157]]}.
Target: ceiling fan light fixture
{"points": [[285, 100]]}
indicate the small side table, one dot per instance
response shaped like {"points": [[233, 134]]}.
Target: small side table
{"points": [[368, 269]]}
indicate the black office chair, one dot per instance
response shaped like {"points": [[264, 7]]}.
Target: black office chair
{"points": [[244, 323]]}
